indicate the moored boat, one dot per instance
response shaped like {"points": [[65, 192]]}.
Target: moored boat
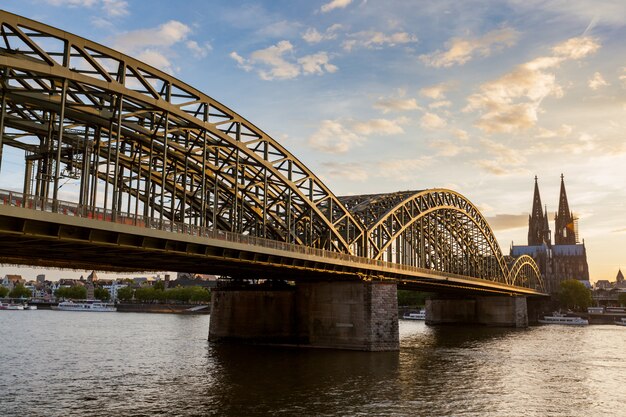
{"points": [[420, 315], [5, 306], [559, 318], [621, 322], [86, 306]]}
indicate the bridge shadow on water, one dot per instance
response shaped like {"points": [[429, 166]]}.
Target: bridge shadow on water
{"points": [[262, 380]]}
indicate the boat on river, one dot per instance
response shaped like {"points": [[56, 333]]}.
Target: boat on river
{"points": [[6, 306], [559, 318], [87, 306], [621, 322], [420, 315]]}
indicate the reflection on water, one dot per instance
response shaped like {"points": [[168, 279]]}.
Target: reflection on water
{"points": [[72, 363]]}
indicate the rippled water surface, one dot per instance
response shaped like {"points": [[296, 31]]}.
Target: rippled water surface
{"points": [[55, 363]]}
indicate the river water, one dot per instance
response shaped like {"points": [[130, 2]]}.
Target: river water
{"points": [[55, 363]]}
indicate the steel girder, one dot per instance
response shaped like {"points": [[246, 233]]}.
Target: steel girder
{"points": [[443, 230], [141, 141], [525, 272]]}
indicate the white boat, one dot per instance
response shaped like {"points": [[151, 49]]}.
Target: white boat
{"points": [[29, 307], [88, 306], [559, 318], [421, 315], [5, 306], [622, 322]]}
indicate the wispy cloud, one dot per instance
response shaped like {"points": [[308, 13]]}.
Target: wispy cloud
{"points": [[563, 131], [111, 8], [375, 40], [435, 92], [459, 51], [403, 169], [445, 147], [349, 171], [279, 62], [339, 136], [508, 221], [432, 121], [504, 161], [335, 4], [154, 45], [511, 103], [313, 36], [333, 137], [597, 81], [397, 103]]}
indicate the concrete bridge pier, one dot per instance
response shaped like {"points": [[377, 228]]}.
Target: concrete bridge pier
{"points": [[505, 311], [354, 315]]}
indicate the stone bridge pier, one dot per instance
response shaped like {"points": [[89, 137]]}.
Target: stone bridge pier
{"points": [[356, 315], [507, 311]]}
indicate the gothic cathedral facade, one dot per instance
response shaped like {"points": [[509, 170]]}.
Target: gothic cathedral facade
{"points": [[564, 259]]}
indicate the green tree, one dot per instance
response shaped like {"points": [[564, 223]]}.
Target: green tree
{"points": [[75, 292], [159, 285], [125, 293], [412, 298], [102, 294], [3, 291], [621, 298], [20, 291], [573, 294]]}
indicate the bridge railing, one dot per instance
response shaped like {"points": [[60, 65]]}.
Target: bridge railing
{"points": [[17, 199]]}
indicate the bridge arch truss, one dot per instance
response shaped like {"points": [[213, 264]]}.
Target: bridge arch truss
{"points": [[110, 132], [138, 140]]}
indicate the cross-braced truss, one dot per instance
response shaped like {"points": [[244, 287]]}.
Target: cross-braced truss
{"points": [[436, 229], [137, 141]]}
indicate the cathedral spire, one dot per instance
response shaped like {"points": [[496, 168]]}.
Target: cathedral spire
{"points": [[564, 220], [535, 220]]}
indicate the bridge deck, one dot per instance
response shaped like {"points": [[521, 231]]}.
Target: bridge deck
{"points": [[38, 232]]}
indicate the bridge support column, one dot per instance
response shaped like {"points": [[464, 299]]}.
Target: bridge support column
{"points": [[491, 311], [339, 315]]}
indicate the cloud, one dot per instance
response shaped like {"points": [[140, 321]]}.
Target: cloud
{"points": [[561, 132], [597, 81], [460, 134], [460, 51], [511, 103], [380, 126], [435, 92], [403, 169], [316, 64], [619, 230], [432, 121], [345, 171], [73, 3], [154, 46], [504, 161], [278, 62], [440, 104], [115, 8], [313, 36], [375, 40], [507, 221], [333, 137], [448, 147], [335, 4], [399, 103]]}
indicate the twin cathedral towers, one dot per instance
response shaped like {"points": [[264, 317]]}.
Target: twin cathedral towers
{"points": [[566, 258]]}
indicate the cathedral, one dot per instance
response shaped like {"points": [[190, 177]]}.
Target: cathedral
{"points": [[566, 258]]}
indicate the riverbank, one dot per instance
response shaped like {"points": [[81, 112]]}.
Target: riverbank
{"points": [[163, 308]]}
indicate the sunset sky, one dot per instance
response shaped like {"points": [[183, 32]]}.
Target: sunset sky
{"points": [[382, 96]]}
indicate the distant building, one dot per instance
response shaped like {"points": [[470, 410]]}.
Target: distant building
{"points": [[41, 279], [10, 281], [566, 258]]}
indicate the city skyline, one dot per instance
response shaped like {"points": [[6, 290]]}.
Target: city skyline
{"points": [[477, 97]]}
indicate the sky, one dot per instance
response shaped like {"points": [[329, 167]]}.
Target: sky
{"points": [[383, 96]]}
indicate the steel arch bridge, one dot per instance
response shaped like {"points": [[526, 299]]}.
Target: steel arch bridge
{"points": [[138, 143]]}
